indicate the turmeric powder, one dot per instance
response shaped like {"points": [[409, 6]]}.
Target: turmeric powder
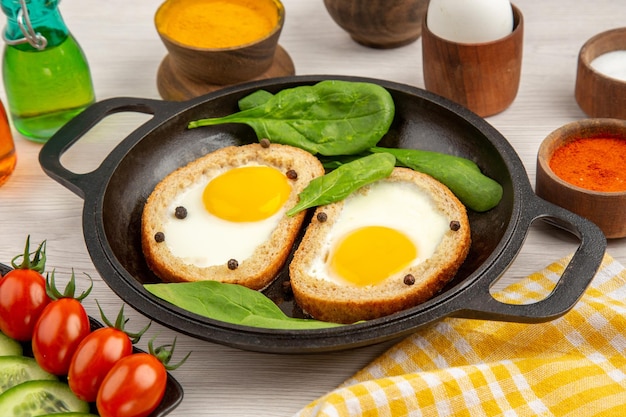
{"points": [[218, 23]]}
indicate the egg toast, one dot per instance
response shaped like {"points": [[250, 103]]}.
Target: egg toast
{"points": [[387, 247], [222, 216]]}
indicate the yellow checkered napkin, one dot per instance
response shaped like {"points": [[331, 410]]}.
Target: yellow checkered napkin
{"points": [[572, 366]]}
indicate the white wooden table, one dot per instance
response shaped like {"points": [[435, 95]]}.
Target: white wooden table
{"points": [[124, 52]]}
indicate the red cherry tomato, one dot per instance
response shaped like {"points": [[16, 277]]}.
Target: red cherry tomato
{"points": [[22, 300], [23, 295], [133, 388], [60, 328], [94, 358]]}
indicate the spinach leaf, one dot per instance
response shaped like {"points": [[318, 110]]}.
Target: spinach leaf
{"points": [[231, 303], [333, 162], [255, 99], [462, 176], [338, 184], [332, 117]]}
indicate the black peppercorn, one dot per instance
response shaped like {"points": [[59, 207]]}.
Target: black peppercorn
{"points": [[265, 143], [455, 225], [322, 217], [233, 264], [287, 287], [180, 212], [292, 174], [159, 237], [409, 279]]}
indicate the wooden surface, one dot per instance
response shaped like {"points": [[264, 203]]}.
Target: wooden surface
{"points": [[124, 52]]}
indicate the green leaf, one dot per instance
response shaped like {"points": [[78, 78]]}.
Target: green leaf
{"points": [[340, 183], [330, 118], [255, 99], [231, 303], [333, 162], [462, 176]]}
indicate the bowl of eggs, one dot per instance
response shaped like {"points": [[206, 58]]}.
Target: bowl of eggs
{"points": [[115, 199], [212, 44], [580, 167], [601, 75], [472, 52]]}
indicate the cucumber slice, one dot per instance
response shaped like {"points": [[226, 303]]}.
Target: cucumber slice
{"points": [[34, 398], [17, 369], [70, 414], [9, 347]]}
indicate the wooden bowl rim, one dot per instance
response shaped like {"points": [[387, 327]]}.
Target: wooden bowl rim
{"points": [[279, 25], [599, 44], [567, 133]]}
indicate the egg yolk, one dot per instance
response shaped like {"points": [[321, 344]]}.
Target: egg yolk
{"points": [[369, 255], [246, 194]]}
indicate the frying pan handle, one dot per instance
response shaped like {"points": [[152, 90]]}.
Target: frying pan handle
{"points": [[579, 272], [72, 131]]}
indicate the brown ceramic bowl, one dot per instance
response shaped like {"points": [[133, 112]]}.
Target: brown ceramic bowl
{"points": [[379, 23], [597, 94], [190, 68], [606, 209]]}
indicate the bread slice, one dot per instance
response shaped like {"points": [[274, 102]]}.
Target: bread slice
{"points": [[268, 258], [343, 302]]}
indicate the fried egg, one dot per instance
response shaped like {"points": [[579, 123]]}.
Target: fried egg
{"points": [[381, 230], [223, 216], [227, 215], [388, 246]]}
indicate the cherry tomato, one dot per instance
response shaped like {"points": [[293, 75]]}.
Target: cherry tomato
{"points": [[23, 295], [135, 385], [98, 352], [133, 388], [94, 358], [60, 328], [63, 324]]}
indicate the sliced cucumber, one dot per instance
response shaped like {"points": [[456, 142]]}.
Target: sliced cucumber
{"points": [[70, 414], [17, 369], [9, 347], [36, 398]]}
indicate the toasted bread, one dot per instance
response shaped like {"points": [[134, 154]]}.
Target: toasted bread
{"points": [[345, 302], [258, 270]]}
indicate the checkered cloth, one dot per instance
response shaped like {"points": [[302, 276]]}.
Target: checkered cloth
{"points": [[572, 366]]}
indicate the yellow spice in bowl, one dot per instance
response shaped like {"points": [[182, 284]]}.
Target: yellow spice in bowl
{"points": [[217, 23]]}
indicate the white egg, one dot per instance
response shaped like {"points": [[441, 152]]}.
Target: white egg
{"points": [[204, 239], [470, 21], [400, 206]]}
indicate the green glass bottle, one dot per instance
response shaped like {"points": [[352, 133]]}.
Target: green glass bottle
{"points": [[46, 75]]}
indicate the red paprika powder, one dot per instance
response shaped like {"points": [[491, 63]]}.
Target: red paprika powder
{"points": [[597, 164]]}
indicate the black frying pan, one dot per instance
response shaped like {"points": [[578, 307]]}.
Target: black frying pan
{"points": [[114, 195]]}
